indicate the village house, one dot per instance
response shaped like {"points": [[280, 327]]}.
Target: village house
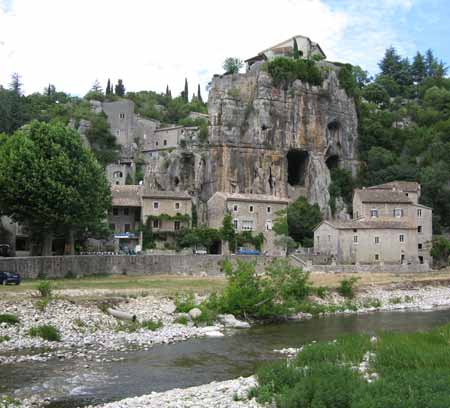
{"points": [[125, 216], [306, 48], [250, 212], [167, 210], [117, 173], [389, 225]]}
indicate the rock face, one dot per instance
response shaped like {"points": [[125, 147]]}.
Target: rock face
{"points": [[265, 140], [268, 140]]}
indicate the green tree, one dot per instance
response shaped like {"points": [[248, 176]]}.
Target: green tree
{"points": [[418, 68], [50, 183], [298, 221], [185, 93], [199, 94], [16, 85], [120, 88], [108, 88], [232, 65], [296, 53]]}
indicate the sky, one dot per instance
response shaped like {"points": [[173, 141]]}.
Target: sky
{"points": [[153, 43]]}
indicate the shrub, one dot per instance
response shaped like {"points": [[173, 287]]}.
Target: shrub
{"points": [[47, 332], [284, 71], [322, 291], [4, 338], [8, 318], [42, 304], [184, 303], [152, 325], [347, 287], [45, 289]]}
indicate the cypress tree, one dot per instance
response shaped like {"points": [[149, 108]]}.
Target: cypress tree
{"points": [[108, 87], [296, 53], [167, 90], [199, 95], [186, 91]]}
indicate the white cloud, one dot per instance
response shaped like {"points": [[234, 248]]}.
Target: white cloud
{"points": [[149, 44]]}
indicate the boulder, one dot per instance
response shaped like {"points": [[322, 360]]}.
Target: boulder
{"points": [[195, 313], [228, 320]]}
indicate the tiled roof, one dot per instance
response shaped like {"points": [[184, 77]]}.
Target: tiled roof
{"points": [[179, 195], [253, 197], [382, 196], [371, 224], [126, 196], [407, 186]]}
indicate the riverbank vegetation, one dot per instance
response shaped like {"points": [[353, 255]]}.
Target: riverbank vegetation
{"points": [[358, 371]]}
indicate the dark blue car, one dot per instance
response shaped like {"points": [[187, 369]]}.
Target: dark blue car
{"points": [[7, 278]]}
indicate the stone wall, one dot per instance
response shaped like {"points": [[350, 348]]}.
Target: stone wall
{"points": [[372, 268], [86, 265]]}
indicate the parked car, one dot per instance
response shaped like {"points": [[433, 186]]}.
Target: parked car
{"points": [[9, 278], [247, 251]]}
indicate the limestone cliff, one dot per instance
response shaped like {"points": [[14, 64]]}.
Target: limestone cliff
{"points": [[266, 140]]}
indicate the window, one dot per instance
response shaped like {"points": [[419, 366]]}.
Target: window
{"points": [[235, 208], [377, 257], [374, 212], [402, 238], [126, 211], [155, 223], [235, 224], [156, 143], [177, 206], [377, 240], [419, 246], [419, 212], [421, 259], [247, 225], [122, 115], [355, 239], [398, 212], [357, 214], [155, 205], [176, 225], [115, 211], [127, 227], [269, 225], [419, 229], [165, 142], [269, 210], [117, 174], [118, 132], [250, 208]]}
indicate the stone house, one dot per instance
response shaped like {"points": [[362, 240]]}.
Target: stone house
{"points": [[306, 48], [167, 209], [117, 173], [250, 212], [389, 225], [125, 216]]}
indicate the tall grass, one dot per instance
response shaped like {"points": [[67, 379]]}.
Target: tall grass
{"points": [[413, 370]]}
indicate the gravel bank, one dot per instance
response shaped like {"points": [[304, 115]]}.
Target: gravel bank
{"points": [[225, 394]]}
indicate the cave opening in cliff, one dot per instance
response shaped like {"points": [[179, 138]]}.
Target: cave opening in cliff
{"points": [[297, 165], [332, 162]]}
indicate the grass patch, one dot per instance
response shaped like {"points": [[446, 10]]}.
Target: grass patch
{"points": [[182, 320], [9, 318], [413, 370], [131, 327], [4, 338], [45, 289], [47, 332], [184, 303], [42, 304], [152, 325], [346, 287]]}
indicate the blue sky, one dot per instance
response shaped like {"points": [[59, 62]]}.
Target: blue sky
{"points": [[149, 44]]}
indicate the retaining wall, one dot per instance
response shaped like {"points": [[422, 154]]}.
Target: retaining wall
{"points": [[85, 265]]}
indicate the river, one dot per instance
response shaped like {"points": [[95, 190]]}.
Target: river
{"points": [[72, 383]]}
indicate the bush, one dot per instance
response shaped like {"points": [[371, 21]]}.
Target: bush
{"points": [[8, 318], [4, 338], [184, 303], [347, 287], [45, 289], [284, 71], [47, 332]]}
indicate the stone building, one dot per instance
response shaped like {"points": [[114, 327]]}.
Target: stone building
{"points": [[169, 210], [306, 48], [250, 212], [117, 173], [125, 216], [388, 226]]}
